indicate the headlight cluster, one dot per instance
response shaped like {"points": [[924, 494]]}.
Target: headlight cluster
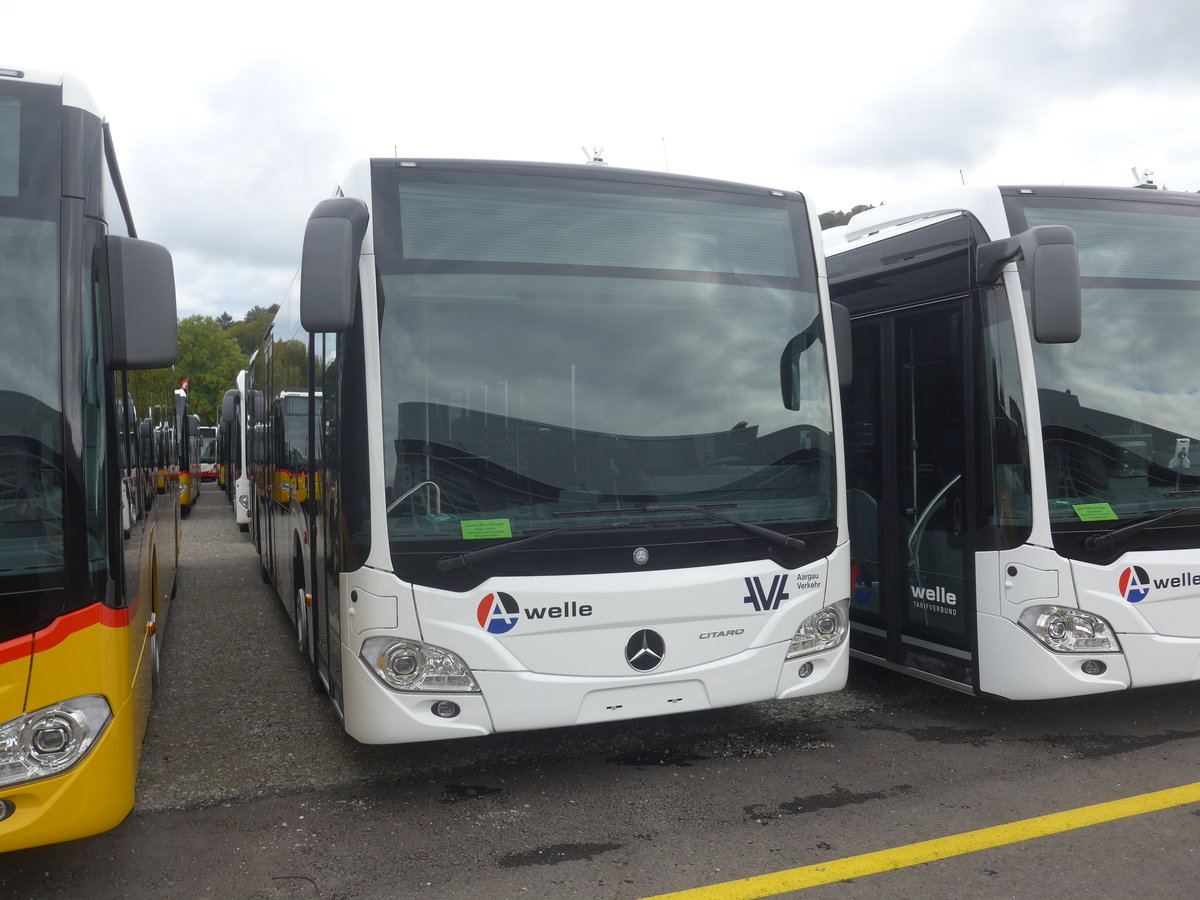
{"points": [[51, 740], [407, 665], [1066, 630], [824, 629]]}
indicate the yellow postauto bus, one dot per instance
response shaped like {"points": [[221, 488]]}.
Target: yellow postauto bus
{"points": [[82, 605]]}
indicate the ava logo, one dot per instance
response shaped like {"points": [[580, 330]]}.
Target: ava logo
{"points": [[1135, 584], [498, 613], [764, 601]]}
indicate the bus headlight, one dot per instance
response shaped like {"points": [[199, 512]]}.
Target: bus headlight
{"points": [[824, 629], [51, 740], [1067, 630], [407, 665]]}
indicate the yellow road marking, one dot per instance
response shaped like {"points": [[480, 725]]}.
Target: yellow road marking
{"points": [[776, 883]]}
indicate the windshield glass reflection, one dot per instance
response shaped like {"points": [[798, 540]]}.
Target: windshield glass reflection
{"points": [[31, 478], [529, 398], [1121, 408]]}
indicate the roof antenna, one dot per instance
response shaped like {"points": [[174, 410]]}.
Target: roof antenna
{"points": [[595, 158], [1144, 180]]}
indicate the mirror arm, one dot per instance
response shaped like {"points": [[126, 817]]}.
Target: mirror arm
{"points": [[992, 257]]}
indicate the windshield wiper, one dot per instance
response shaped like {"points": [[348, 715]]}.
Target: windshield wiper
{"points": [[767, 534], [463, 560], [770, 536], [1104, 540]]}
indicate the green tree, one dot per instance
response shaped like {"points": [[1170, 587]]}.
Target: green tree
{"points": [[253, 326], [153, 393], [831, 218], [209, 360], [224, 320]]}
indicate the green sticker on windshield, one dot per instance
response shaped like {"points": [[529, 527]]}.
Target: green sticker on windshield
{"points": [[1094, 512], [483, 529]]}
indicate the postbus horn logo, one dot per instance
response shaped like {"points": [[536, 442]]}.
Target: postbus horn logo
{"points": [[1135, 584], [498, 613]]}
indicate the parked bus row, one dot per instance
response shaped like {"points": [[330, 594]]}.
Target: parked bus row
{"points": [[521, 454], [540, 445]]}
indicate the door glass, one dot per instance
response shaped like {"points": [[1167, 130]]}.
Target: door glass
{"points": [[931, 446], [862, 408]]}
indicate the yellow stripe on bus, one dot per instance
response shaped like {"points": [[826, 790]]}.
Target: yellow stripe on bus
{"points": [[940, 848]]}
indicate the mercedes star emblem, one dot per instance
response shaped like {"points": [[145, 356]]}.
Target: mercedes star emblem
{"points": [[645, 650]]}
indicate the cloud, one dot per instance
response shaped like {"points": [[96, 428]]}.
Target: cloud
{"points": [[1017, 69], [228, 138], [229, 190]]}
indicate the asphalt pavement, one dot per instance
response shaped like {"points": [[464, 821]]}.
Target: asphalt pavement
{"points": [[250, 789]]}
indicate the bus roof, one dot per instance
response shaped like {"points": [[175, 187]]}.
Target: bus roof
{"points": [[75, 92], [985, 203], [581, 170]]}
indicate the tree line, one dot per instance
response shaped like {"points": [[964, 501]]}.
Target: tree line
{"points": [[211, 353], [833, 218]]}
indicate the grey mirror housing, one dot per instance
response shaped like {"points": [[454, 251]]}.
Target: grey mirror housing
{"points": [[329, 264], [229, 405], [145, 333], [1050, 274]]}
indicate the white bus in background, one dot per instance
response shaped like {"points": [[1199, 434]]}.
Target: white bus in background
{"points": [[575, 452], [208, 452], [1024, 508], [234, 451]]}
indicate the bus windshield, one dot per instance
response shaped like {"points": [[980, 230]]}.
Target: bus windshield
{"points": [[1121, 408], [31, 463], [558, 351]]}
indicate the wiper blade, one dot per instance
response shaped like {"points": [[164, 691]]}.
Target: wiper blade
{"points": [[767, 534], [463, 560], [1104, 540], [770, 536], [625, 510]]}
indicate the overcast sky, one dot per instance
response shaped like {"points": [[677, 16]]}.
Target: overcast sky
{"points": [[232, 120]]}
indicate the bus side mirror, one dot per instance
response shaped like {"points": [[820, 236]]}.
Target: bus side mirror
{"points": [[229, 406], [1050, 274], [329, 264], [142, 304], [789, 360]]}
